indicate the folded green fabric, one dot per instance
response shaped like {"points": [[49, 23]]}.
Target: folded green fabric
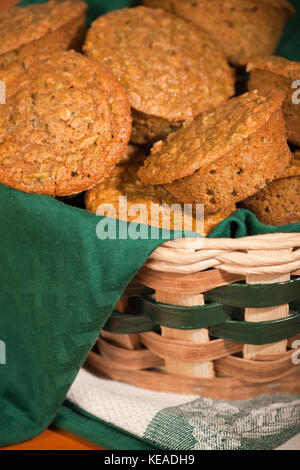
{"points": [[58, 286], [289, 46], [243, 223]]}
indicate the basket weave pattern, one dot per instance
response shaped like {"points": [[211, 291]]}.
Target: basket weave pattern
{"points": [[222, 319]]}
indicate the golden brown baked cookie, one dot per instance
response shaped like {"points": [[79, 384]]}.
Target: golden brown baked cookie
{"points": [[279, 202], [242, 27], [104, 199], [41, 29], [224, 156], [276, 72], [65, 125], [171, 70], [294, 167]]}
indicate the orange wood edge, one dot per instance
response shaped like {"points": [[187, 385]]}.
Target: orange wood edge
{"points": [[55, 439]]}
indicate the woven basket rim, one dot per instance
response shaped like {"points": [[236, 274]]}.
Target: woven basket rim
{"points": [[259, 254]]}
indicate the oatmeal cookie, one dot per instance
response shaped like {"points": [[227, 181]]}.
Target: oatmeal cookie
{"points": [[171, 70], [224, 156], [41, 28], [279, 202], [242, 27], [65, 125], [270, 72], [151, 201], [294, 167]]}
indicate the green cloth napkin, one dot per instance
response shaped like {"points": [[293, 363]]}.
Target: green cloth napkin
{"points": [[289, 46], [58, 286]]}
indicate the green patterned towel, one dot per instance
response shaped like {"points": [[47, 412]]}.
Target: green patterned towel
{"points": [[138, 418]]}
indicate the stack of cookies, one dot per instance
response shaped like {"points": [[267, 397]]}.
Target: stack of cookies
{"points": [[171, 70], [146, 110]]}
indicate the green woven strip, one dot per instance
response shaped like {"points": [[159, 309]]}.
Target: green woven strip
{"points": [[126, 324], [258, 333], [256, 296], [218, 318], [183, 318]]}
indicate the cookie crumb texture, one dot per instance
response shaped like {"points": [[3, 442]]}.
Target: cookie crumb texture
{"points": [[170, 69], [242, 27], [41, 28], [224, 156], [271, 72], [104, 199], [278, 204], [65, 126], [294, 168]]}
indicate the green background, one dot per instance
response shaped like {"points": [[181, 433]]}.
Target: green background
{"points": [[59, 285]]}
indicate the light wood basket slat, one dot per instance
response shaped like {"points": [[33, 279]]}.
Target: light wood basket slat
{"points": [[189, 361]]}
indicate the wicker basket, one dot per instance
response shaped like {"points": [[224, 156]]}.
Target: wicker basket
{"points": [[212, 317]]}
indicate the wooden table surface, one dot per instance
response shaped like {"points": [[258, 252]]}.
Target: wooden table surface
{"points": [[54, 439]]}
